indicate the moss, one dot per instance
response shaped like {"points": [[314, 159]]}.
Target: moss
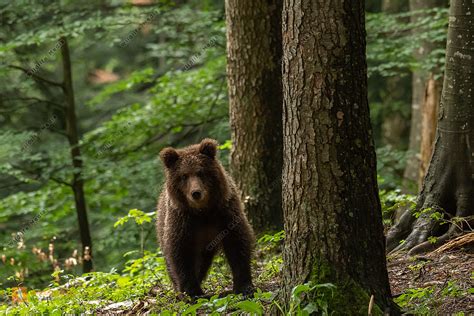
{"points": [[348, 298]]}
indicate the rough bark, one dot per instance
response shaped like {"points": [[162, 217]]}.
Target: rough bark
{"points": [[419, 79], [73, 139], [255, 100], [331, 206], [428, 125], [448, 186]]}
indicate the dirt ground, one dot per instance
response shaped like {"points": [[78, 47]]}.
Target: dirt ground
{"points": [[447, 275]]}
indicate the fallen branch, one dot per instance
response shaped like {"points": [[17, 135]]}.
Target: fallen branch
{"points": [[458, 242]]}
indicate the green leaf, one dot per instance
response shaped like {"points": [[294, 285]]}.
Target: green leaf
{"points": [[191, 310], [302, 288], [250, 307], [123, 281]]}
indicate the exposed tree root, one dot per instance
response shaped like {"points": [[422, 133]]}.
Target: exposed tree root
{"points": [[425, 233], [439, 241], [448, 193], [399, 231], [446, 202]]}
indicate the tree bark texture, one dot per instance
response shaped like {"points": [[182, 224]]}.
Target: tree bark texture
{"points": [[419, 79], [255, 99], [448, 186], [331, 207], [73, 138], [428, 125]]}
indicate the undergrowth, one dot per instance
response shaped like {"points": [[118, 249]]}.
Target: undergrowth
{"points": [[144, 279], [424, 300]]}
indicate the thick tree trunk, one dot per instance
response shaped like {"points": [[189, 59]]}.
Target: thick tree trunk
{"points": [[419, 79], [73, 138], [331, 206], [255, 98], [449, 184]]}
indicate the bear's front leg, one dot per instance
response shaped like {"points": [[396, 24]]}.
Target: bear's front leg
{"points": [[238, 251], [183, 266]]}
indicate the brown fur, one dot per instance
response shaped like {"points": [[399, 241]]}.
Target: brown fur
{"points": [[190, 230]]}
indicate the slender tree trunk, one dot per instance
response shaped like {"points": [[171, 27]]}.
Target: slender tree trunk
{"points": [[255, 98], [394, 6], [419, 79], [395, 126], [332, 211], [73, 138], [428, 125], [448, 187]]}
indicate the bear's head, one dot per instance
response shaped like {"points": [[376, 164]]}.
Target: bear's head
{"points": [[194, 176]]}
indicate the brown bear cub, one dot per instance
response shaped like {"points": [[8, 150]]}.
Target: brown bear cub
{"points": [[199, 212]]}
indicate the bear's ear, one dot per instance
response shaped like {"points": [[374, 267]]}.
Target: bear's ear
{"points": [[169, 156], [208, 147]]}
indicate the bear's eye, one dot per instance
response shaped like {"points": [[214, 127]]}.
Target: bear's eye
{"points": [[200, 174], [184, 177]]}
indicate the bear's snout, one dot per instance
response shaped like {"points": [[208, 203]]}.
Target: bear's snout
{"points": [[197, 194]]}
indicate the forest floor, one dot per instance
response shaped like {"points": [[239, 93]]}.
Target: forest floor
{"points": [[438, 283]]}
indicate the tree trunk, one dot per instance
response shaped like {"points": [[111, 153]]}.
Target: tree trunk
{"points": [[73, 138], [255, 98], [419, 79], [397, 88], [448, 187], [331, 206], [394, 6], [428, 126]]}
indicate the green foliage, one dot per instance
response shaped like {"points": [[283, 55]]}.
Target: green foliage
{"points": [[432, 239], [393, 43], [98, 290], [166, 86], [250, 307], [390, 167], [227, 145], [136, 78], [394, 200], [425, 300], [169, 89], [139, 217], [313, 297], [419, 299], [429, 212], [393, 39], [145, 109], [271, 244], [92, 290], [275, 238]]}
